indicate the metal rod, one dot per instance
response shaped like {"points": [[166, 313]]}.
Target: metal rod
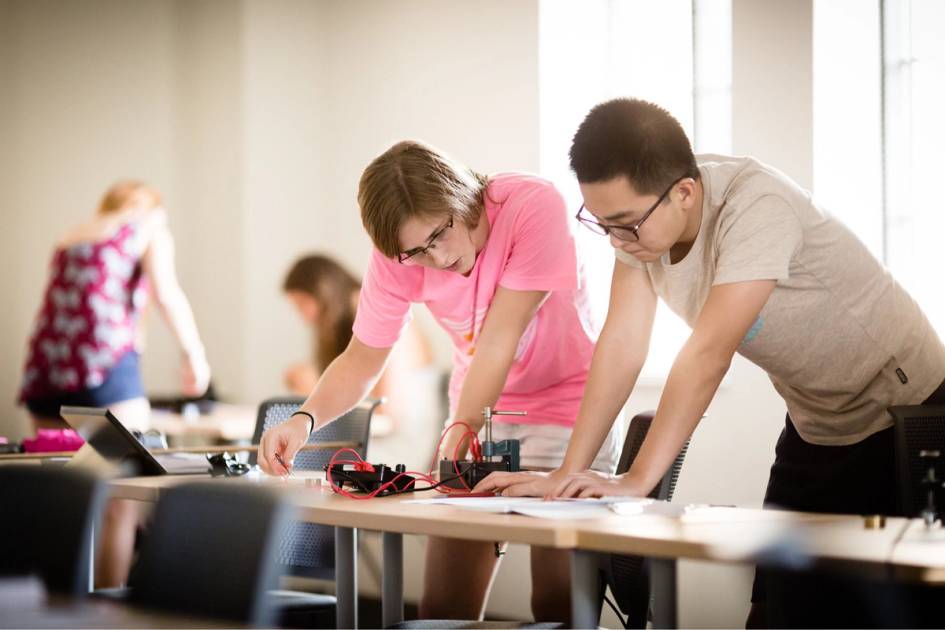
{"points": [[392, 592], [585, 604], [346, 576], [663, 589]]}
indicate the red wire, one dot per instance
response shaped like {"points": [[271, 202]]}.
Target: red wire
{"points": [[383, 487], [475, 449]]}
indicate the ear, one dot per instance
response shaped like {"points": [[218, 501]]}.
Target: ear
{"points": [[687, 190]]}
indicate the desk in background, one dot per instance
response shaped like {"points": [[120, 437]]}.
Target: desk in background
{"points": [[731, 535], [225, 423]]}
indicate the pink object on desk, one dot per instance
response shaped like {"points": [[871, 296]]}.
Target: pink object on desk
{"points": [[53, 441]]}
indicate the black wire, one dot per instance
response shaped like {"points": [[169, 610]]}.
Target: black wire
{"points": [[613, 606], [342, 475], [425, 488]]}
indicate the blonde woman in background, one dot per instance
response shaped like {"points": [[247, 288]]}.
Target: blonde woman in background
{"points": [[84, 349]]}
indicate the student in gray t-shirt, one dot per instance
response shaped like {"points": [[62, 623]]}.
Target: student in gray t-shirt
{"points": [[754, 266]]}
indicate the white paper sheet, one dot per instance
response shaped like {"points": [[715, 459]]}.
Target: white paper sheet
{"points": [[559, 509], [498, 505]]}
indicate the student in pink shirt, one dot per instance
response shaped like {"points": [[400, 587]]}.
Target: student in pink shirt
{"points": [[495, 261]]}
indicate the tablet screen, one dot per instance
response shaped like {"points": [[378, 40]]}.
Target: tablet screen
{"points": [[105, 433]]}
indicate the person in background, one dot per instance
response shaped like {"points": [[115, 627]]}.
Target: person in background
{"points": [[84, 346], [325, 296], [495, 261]]}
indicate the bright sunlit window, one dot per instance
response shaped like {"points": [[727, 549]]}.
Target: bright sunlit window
{"points": [[595, 50], [914, 73], [878, 132], [848, 179]]}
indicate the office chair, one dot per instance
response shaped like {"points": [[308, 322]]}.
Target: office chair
{"points": [[211, 552], [628, 576], [307, 549], [49, 515], [918, 429]]}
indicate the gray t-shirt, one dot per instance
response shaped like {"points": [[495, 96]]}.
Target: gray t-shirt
{"points": [[840, 339]]}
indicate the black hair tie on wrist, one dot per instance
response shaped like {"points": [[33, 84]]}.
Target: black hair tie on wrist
{"points": [[311, 419]]}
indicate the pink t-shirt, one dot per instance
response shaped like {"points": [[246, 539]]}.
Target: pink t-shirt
{"points": [[530, 248]]}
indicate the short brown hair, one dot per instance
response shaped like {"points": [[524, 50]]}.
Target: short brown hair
{"points": [[636, 139], [412, 179]]}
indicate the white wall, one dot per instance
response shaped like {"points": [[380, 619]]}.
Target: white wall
{"points": [[10, 221], [89, 87], [256, 117], [772, 86]]}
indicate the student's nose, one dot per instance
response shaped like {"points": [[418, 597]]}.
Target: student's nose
{"points": [[438, 256]]}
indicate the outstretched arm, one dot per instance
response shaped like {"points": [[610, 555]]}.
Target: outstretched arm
{"points": [[728, 314]]}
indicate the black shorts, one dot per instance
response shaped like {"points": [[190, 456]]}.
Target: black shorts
{"points": [[122, 383], [854, 479]]}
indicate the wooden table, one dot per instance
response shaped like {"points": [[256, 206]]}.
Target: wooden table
{"points": [[919, 554], [748, 536], [731, 535], [388, 515]]}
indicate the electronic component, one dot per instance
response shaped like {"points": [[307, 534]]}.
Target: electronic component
{"points": [[368, 478], [471, 473]]}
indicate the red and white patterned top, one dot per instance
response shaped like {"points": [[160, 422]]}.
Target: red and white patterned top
{"points": [[89, 315]]}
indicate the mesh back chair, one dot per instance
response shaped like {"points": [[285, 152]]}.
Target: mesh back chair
{"points": [[46, 530], [629, 576], [307, 549], [918, 428], [211, 552]]}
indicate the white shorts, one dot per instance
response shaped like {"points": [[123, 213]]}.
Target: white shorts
{"points": [[544, 445]]}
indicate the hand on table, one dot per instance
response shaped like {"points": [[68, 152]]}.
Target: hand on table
{"points": [[590, 483], [557, 484], [520, 484]]}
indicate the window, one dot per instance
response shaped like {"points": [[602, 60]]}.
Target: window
{"points": [[594, 50], [848, 180], [914, 134], [878, 131]]}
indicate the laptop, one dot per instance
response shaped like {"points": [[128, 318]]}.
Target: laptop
{"points": [[108, 436]]}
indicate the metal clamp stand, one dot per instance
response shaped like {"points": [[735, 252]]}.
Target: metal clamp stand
{"points": [[492, 449]]}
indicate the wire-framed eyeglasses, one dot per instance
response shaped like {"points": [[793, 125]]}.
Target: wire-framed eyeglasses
{"points": [[629, 233], [411, 254]]}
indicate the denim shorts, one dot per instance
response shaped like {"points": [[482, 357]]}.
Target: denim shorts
{"points": [[123, 382]]}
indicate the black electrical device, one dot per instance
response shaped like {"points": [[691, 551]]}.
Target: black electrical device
{"points": [[470, 473], [367, 480], [497, 456]]}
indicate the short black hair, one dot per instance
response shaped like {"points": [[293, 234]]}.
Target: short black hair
{"points": [[636, 139]]}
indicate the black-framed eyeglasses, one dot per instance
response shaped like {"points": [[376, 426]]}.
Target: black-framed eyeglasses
{"points": [[403, 257], [623, 232]]}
